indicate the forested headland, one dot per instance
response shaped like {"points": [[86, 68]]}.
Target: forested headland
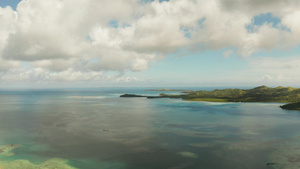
{"points": [[258, 94]]}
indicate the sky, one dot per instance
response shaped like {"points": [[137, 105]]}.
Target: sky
{"points": [[149, 43]]}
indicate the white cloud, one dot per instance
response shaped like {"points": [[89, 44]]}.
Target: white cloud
{"points": [[38, 74], [227, 53], [75, 37], [271, 79], [275, 70], [8, 19]]}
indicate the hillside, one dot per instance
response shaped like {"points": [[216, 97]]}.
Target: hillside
{"points": [[258, 94]]}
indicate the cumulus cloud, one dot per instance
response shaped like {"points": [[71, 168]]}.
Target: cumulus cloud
{"points": [[70, 38]]}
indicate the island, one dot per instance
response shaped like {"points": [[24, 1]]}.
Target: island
{"points": [[131, 95], [170, 90], [258, 94], [291, 106]]}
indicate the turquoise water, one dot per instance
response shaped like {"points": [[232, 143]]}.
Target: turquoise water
{"points": [[95, 128]]}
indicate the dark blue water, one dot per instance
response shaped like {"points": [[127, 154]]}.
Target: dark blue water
{"points": [[95, 128]]}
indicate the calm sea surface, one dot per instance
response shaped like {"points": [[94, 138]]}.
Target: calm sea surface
{"points": [[96, 129]]}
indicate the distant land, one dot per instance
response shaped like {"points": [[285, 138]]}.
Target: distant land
{"points": [[175, 90], [258, 94], [291, 106]]}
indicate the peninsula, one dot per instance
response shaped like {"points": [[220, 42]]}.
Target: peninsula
{"points": [[258, 94]]}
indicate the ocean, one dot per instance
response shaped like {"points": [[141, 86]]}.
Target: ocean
{"points": [[96, 129]]}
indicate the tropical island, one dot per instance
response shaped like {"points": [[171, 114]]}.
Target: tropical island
{"points": [[258, 94], [172, 90]]}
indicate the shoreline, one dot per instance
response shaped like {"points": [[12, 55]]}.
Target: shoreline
{"points": [[288, 96]]}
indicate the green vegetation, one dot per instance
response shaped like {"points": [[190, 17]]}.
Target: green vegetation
{"points": [[131, 95], [165, 90], [291, 106], [208, 99], [25, 164], [258, 94]]}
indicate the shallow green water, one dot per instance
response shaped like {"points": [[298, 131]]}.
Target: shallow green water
{"points": [[95, 128]]}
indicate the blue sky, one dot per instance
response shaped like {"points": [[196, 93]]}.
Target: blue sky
{"points": [[11, 3], [155, 43]]}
